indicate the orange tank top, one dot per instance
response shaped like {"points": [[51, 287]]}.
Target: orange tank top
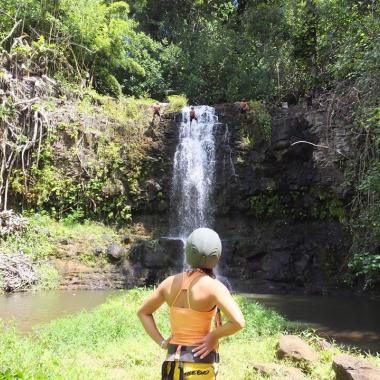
{"points": [[189, 326]]}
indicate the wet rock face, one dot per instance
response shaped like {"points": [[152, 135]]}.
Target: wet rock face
{"points": [[155, 179], [150, 261], [277, 204], [264, 256], [115, 252]]}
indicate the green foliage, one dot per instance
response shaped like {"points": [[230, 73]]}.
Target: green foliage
{"points": [[42, 240], [266, 205], [99, 180], [35, 241], [260, 321], [6, 109], [211, 51], [274, 205], [48, 277], [261, 117], [364, 261], [177, 102], [247, 142], [367, 266], [106, 83], [90, 41]]}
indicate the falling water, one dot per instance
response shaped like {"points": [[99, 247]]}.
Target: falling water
{"points": [[194, 172]]}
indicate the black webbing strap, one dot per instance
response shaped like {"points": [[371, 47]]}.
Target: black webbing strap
{"points": [[165, 375], [181, 371], [171, 372], [186, 355], [164, 371]]}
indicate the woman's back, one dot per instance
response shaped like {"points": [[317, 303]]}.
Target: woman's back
{"points": [[192, 307], [200, 291], [193, 298]]}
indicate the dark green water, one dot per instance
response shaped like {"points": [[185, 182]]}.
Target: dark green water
{"points": [[353, 321]]}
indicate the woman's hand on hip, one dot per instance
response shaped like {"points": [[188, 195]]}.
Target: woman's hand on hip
{"points": [[208, 344]]}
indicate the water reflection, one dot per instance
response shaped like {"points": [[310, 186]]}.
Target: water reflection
{"points": [[348, 320], [30, 309]]}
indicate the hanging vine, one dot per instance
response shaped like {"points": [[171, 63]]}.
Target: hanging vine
{"points": [[23, 120]]}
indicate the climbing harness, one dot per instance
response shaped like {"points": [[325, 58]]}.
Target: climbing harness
{"points": [[180, 363]]}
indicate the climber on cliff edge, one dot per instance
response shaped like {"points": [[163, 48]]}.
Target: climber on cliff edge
{"points": [[193, 115], [156, 111], [243, 106]]}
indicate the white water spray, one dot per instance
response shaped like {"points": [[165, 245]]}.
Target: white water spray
{"points": [[194, 172]]}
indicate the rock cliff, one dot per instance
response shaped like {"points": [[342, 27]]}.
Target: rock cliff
{"points": [[280, 199]]}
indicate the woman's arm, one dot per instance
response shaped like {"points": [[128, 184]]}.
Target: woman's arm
{"points": [[235, 321], [145, 313]]}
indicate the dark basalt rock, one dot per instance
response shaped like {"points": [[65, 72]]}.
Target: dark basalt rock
{"points": [[115, 252], [293, 243], [150, 261]]}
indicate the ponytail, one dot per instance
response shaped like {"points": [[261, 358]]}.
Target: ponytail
{"points": [[209, 272]]}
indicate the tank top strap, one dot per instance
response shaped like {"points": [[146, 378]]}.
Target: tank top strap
{"points": [[191, 278], [187, 279]]}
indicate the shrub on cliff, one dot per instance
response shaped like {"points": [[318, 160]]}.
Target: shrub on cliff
{"points": [[176, 103]]}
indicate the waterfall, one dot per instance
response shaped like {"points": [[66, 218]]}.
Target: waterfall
{"points": [[193, 173]]}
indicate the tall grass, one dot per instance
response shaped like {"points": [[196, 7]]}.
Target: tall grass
{"points": [[40, 238], [110, 343]]}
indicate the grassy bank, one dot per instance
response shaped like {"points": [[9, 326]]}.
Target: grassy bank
{"points": [[109, 343], [44, 239], [43, 236]]}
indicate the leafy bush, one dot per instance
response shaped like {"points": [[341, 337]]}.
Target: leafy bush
{"points": [[367, 266], [36, 241], [177, 102], [364, 264], [106, 83], [259, 113], [107, 180], [48, 277]]}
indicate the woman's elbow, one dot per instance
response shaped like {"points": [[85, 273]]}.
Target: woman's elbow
{"points": [[140, 312], [240, 323]]}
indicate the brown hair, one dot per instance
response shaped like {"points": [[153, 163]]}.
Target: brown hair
{"points": [[209, 272]]}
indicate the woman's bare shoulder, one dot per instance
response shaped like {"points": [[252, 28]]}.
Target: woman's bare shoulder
{"points": [[171, 280], [213, 283]]}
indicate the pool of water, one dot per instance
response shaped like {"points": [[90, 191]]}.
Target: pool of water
{"points": [[27, 310], [348, 320]]}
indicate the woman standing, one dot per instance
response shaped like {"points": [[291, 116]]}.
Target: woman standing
{"points": [[195, 298]]}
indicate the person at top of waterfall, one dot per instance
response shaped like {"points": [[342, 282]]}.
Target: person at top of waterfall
{"points": [[156, 111], [195, 297], [193, 115], [243, 106]]}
